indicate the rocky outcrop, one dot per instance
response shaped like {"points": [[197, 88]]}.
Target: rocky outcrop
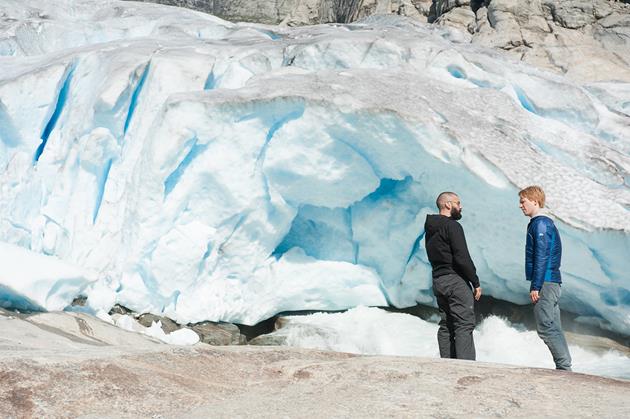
{"points": [[72, 365], [571, 14], [308, 12], [578, 13], [302, 12], [585, 39]]}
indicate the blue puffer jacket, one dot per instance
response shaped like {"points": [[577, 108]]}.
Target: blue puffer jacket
{"points": [[543, 252]]}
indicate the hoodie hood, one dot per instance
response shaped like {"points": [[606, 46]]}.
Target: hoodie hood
{"points": [[434, 223]]}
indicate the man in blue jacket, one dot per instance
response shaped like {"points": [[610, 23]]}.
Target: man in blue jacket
{"points": [[542, 268]]}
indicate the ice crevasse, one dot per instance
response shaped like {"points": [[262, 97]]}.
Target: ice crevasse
{"points": [[207, 170]]}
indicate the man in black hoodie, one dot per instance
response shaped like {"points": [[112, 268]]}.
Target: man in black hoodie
{"points": [[455, 281]]}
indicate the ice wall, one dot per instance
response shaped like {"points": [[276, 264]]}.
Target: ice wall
{"points": [[31, 281], [212, 171]]}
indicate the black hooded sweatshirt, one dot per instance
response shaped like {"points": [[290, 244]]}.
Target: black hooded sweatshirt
{"points": [[446, 248]]}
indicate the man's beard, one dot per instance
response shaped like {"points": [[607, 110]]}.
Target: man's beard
{"points": [[456, 213]]}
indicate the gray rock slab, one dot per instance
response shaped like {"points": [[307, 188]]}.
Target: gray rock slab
{"points": [[269, 339], [201, 382], [578, 13], [218, 333], [52, 337], [59, 371]]}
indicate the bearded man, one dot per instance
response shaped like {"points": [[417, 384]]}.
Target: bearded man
{"points": [[455, 281]]}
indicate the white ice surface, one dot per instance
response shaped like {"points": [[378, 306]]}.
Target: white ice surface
{"points": [[31, 281], [207, 170]]}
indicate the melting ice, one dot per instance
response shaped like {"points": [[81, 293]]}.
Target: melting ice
{"points": [[205, 170], [374, 331]]}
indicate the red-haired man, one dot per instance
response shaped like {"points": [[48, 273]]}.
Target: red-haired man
{"points": [[543, 252]]}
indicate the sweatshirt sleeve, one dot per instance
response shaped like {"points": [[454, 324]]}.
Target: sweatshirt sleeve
{"points": [[461, 257], [540, 255]]}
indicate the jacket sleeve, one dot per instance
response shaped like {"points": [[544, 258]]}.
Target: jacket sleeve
{"points": [[461, 257], [540, 255]]}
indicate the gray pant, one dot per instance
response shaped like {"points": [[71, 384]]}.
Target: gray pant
{"points": [[549, 327], [457, 317]]}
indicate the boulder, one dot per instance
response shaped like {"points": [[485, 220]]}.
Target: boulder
{"points": [[270, 339], [79, 301], [443, 6], [119, 309], [218, 333], [463, 18], [168, 325]]}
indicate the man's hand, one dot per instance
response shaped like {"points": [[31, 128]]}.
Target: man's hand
{"points": [[534, 296], [477, 293]]}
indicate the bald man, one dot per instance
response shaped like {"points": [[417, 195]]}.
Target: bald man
{"points": [[455, 281]]}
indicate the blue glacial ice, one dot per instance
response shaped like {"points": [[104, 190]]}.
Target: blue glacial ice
{"points": [[205, 171]]}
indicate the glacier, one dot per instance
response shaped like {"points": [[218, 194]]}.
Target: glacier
{"points": [[207, 170]]}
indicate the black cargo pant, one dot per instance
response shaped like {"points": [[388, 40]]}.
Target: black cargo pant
{"points": [[457, 317]]}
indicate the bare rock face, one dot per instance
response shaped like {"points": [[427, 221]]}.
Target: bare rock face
{"points": [[309, 12], [460, 17], [303, 12], [578, 13], [511, 24], [613, 33], [442, 7], [71, 365], [587, 40], [262, 11]]}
